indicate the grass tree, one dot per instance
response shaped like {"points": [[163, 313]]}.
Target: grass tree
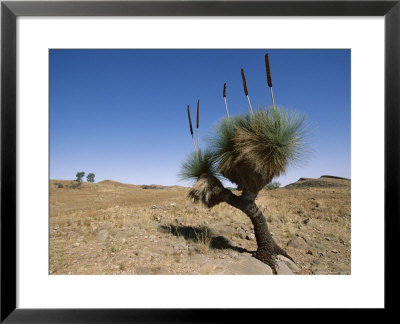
{"points": [[248, 150]]}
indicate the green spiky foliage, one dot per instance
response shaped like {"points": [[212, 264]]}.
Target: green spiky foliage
{"points": [[200, 166], [251, 150], [268, 143], [196, 164], [223, 143]]}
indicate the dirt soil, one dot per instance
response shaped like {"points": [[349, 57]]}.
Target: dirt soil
{"points": [[114, 228]]}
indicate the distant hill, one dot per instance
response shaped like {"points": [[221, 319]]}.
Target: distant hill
{"points": [[112, 182], [324, 181]]}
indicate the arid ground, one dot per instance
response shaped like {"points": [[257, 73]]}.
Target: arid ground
{"points": [[114, 228]]}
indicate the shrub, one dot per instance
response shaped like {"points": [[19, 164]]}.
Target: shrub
{"points": [[75, 185], [272, 185], [150, 187]]}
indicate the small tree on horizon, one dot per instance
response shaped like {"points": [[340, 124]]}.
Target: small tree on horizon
{"points": [[79, 176], [249, 150], [90, 177], [273, 185]]}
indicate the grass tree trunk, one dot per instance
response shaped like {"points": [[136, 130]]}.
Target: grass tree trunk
{"points": [[267, 248]]}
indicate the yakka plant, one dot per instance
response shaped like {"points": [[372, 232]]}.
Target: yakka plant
{"points": [[248, 150]]}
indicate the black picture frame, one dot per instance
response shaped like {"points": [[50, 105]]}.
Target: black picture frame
{"points": [[10, 10]]}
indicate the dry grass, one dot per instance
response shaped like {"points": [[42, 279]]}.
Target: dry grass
{"points": [[112, 228], [207, 190], [204, 238]]}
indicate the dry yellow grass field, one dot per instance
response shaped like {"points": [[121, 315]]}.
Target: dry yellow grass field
{"points": [[114, 228]]}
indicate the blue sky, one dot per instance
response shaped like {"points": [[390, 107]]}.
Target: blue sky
{"points": [[121, 114]]}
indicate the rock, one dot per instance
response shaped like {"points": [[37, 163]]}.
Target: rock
{"points": [[102, 235], [306, 221], [107, 226], [282, 268], [309, 252], [211, 268], [342, 268], [198, 259], [250, 236], [249, 265], [143, 270], [160, 270], [178, 221], [297, 243], [181, 248], [241, 232], [121, 236], [173, 205], [308, 242], [273, 219], [226, 230], [288, 263], [244, 264]]}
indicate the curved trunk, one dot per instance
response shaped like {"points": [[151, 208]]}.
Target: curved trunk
{"points": [[267, 248]]}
